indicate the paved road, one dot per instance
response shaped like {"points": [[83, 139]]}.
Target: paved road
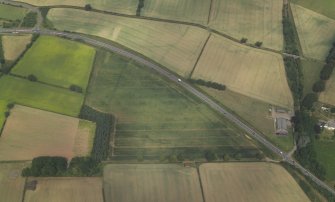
{"points": [[185, 85]]}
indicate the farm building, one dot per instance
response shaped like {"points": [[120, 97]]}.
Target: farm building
{"points": [[330, 125], [281, 126]]}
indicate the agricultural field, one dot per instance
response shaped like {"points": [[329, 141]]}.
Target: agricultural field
{"points": [[11, 12], [151, 183], [325, 150], [174, 46], [11, 182], [3, 109], [36, 95], [29, 133], [195, 11], [14, 46], [311, 71], [155, 116], [249, 182], [252, 72], [316, 32], [256, 20], [65, 189], [57, 61], [253, 111], [328, 96], [84, 138], [324, 7]]}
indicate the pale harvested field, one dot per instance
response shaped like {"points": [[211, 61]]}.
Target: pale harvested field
{"points": [[66, 189], [151, 183], [248, 71], [174, 46], [84, 138], [316, 32], [249, 182], [14, 45], [11, 182], [29, 133], [256, 20], [328, 96], [184, 10]]}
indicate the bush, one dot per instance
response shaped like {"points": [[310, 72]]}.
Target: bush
{"points": [[76, 88], [7, 113], [2, 57], [32, 78], [326, 72], [332, 110], [319, 86], [10, 105], [210, 156], [258, 44], [88, 7], [244, 40]]}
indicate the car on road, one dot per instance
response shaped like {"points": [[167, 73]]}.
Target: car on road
{"points": [[179, 80]]}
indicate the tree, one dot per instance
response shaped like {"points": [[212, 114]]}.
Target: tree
{"points": [[225, 157], [76, 88], [244, 40], [32, 78], [326, 72], [180, 157], [7, 113], [210, 156], [88, 7], [258, 43], [332, 110], [319, 86], [10, 105], [309, 100]]}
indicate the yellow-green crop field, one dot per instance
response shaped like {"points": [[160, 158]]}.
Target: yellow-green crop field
{"points": [[256, 182], [324, 7], [316, 32], [196, 11], [66, 189], [14, 45], [36, 95], [248, 71], [151, 183], [11, 182], [174, 46], [57, 61], [30, 133], [256, 20]]}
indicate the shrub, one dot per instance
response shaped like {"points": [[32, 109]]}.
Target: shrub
{"points": [[46, 166], [319, 86], [244, 40], [32, 78], [332, 110], [76, 88], [309, 100], [258, 43], [7, 113], [88, 7], [10, 105], [210, 156]]}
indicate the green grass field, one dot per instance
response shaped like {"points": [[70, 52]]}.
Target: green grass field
{"points": [[175, 46], [254, 182], [11, 182], [40, 96], [325, 7], [196, 11], [255, 73], [8, 12], [328, 96], [156, 116], [151, 183], [254, 111], [316, 32], [325, 151], [57, 61], [256, 20], [3, 109], [311, 71], [13, 46]]}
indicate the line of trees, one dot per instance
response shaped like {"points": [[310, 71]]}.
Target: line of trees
{"points": [[56, 166], [139, 7], [2, 55], [210, 84], [104, 128]]}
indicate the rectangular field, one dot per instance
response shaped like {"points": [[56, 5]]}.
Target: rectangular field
{"points": [[325, 154], [66, 189], [174, 46], [311, 71], [249, 182], [254, 112], [8, 12], [30, 133], [40, 96], [324, 7], [151, 183], [328, 96], [14, 45], [57, 61], [252, 72], [316, 32], [155, 116], [256, 20], [196, 11], [11, 182]]}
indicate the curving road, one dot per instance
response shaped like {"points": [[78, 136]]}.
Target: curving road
{"points": [[184, 84]]}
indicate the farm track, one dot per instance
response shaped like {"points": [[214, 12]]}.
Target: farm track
{"points": [[172, 77]]}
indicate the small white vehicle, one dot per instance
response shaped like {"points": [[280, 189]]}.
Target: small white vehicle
{"points": [[179, 80]]}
